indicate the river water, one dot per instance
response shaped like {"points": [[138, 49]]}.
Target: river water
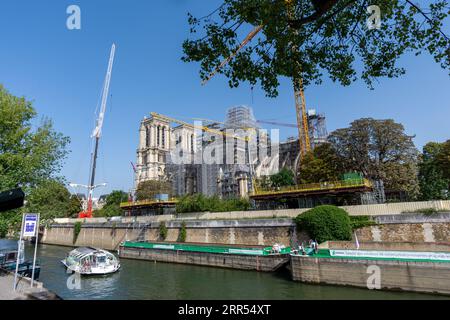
{"points": [[149, 280]]}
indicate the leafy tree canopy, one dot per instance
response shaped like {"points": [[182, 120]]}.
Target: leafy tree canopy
{"points": [[112, 205], [31, 156], [322, 36], [443, 159], [321, 164], [434, 177], [52, 200], [380, 150], [28, 154], [116, 197], [283, 178]]}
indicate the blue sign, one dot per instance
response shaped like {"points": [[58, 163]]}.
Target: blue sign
{"points": [[30, 225]]}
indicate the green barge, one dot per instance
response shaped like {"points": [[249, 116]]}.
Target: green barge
{"points": [[254, 251], [416, 271], [384, 255], [225, 256]]}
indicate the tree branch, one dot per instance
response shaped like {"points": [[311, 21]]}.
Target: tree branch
{"points": [[321, 7], [430, 21]]}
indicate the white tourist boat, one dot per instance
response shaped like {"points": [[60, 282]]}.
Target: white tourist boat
{"points": [[91, 261]]}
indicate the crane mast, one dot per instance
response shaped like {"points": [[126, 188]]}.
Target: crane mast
{"points": [[98, 128], [300, 104], [96, 134]]}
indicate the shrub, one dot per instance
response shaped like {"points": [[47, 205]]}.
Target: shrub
{"points": [[426, 211], [429, 211], [162, 230], [357, 222], [182, 235], [325, 223], [76, 231], [201, 203]]}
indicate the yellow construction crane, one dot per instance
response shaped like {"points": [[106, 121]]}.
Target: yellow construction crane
{"points": [[299, 96]]}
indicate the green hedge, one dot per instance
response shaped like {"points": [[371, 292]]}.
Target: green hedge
{"points": [[163, 230], [201, 203], [76, 231], [326, 223], [357, 222], [182, 235]]}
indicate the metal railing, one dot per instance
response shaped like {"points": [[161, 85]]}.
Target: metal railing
{"points": [[311, 187]]}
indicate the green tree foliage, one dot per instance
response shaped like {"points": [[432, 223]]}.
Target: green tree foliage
{"points": [[76, 231], [321, 164], [433, 181], [325, 223], [163, 230], [112, 205], [358, 222], [51, 199], [330, 36], [283, 178], [182, 235], [28, 154], [11, 220], [380, 150], [3, 228], [443, 159], [201, 203], [31, 153], [147, 190]]}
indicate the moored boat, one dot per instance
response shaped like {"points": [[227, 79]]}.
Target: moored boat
{"points": [[8, 261], [91, 261]]}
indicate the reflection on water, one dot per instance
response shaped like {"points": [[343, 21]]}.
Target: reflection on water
{"points": [[149, 280]]}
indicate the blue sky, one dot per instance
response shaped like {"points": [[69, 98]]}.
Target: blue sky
{"points": [[62, 71]]}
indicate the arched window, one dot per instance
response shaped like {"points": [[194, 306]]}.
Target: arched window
{"points": [[147, 137], [158, 135], [163, 144]]}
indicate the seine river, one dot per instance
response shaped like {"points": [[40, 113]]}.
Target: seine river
{"points": [[149, 280]]}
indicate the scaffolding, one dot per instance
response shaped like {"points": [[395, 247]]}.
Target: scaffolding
{"points": [[317, 128], [240, 117]]}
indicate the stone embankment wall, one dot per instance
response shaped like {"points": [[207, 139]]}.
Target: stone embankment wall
{"points": [[247, 228], [265, 232], [406, 232]]}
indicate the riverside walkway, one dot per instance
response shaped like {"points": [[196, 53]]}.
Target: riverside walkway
{"points": [[24, 291]]}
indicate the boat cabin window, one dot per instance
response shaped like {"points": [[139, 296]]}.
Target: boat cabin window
{"points": [[101, 259], [11, 256]]}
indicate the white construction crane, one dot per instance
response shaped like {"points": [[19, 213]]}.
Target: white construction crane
{"points": [[96, 134]]}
